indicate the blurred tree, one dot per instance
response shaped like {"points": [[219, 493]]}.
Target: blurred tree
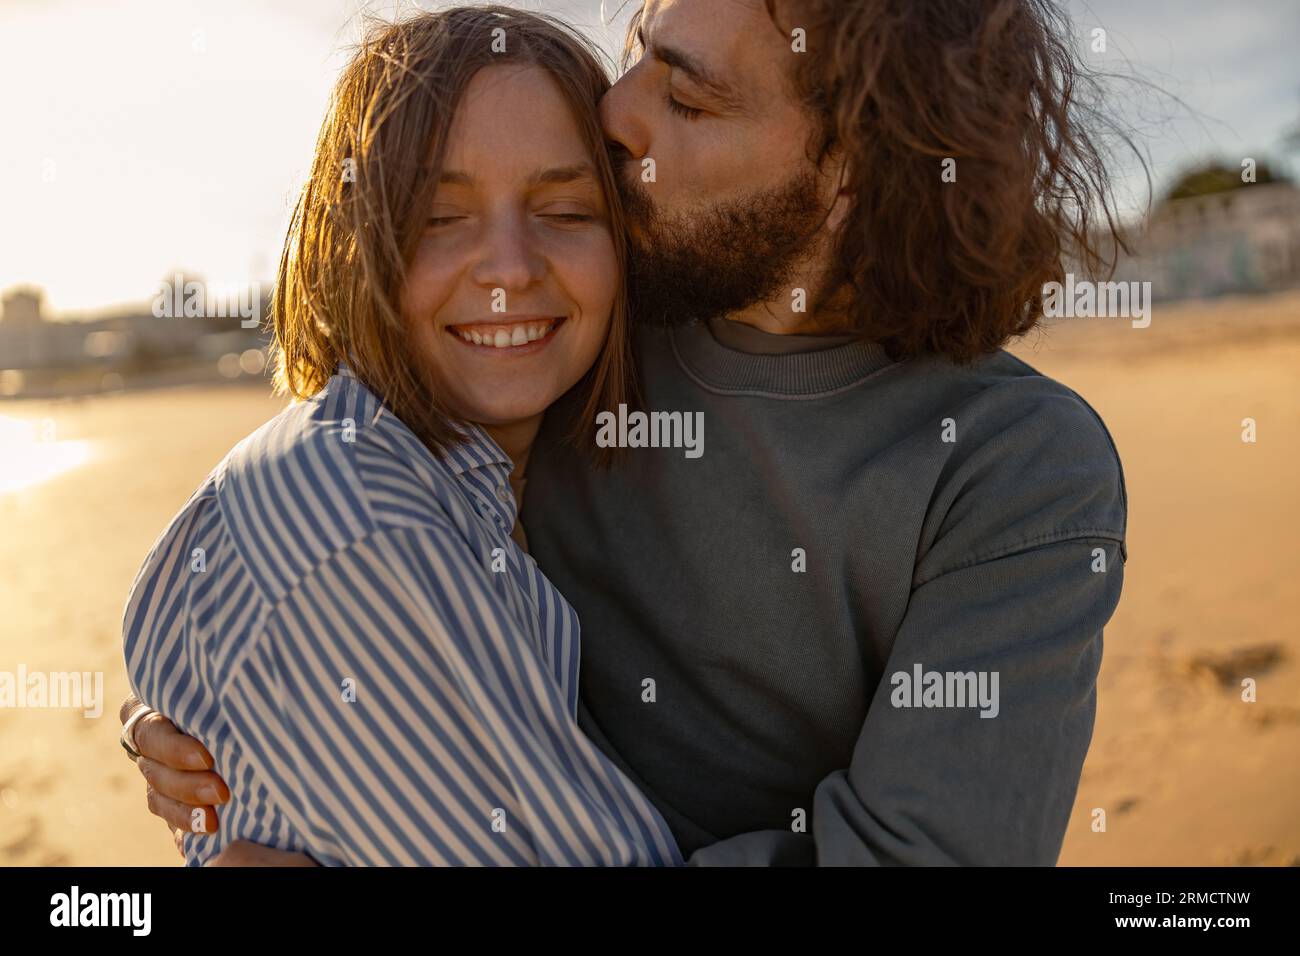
{"points": [[1215, 177]]}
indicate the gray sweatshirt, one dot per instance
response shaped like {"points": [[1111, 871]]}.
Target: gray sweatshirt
{"points": [[864, 625]]}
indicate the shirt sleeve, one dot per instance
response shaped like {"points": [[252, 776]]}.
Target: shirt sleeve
{"points": [[944, 785], [400, 714]]}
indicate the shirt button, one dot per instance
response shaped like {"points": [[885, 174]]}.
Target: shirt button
{"points": [[503, 494]]}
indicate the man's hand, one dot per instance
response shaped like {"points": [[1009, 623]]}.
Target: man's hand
{"points": [[182, 789]]}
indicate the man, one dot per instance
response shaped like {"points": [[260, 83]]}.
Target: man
{"points": [[864, 625]]}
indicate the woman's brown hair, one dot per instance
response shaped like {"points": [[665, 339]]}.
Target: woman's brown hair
{"points": [[365, 204]]}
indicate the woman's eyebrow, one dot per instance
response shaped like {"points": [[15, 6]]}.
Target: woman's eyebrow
{"points": [[562, 174], [540, 177]]}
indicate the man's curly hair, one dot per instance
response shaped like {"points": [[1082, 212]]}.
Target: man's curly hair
{"points": [[898, 86]]}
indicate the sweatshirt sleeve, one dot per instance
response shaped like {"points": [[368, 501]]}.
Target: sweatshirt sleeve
{"points": [[1020, 570], [945, 785]]}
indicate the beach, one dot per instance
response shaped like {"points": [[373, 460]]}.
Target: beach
{"points": [[1184, 770], [1187, 772]]}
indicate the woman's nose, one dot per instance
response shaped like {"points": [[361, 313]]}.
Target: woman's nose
{"points": [[510, 258]]}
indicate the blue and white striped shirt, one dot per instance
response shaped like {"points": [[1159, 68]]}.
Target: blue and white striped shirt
{"points": [[382, 676]]}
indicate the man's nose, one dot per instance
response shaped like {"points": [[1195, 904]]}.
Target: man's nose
{"points": [[625, 124]]}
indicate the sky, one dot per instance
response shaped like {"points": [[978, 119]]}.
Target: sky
{"points": [[151, 136]]}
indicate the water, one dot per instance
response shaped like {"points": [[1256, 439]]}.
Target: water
{"points": [[31, 453]]}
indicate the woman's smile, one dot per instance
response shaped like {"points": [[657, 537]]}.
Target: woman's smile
{"points": [[508, 335]]}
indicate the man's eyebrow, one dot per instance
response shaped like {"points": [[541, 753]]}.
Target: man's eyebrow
{"points": [[699, 74]]}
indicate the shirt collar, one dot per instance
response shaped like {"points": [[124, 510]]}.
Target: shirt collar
{"points": [[479, 450], [480, 464]]}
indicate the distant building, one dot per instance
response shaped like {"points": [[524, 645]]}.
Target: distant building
{"points": [[22, 307], [132, 339], [1244, 240], [27, 340]]}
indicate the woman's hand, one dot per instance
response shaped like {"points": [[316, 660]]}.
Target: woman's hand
{"points": [[182, 789], [243, 853]]}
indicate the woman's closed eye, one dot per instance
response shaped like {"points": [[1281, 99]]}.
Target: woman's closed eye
{"points": [[566, 213], [446, 214]]}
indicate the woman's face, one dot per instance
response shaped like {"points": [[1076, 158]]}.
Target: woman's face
{"points": [[512, 285]]}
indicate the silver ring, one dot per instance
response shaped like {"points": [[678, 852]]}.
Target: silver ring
{"points": [[127, 738]]}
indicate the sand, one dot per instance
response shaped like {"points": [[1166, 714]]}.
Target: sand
{"points": [[1186, 772], [69, 550]]}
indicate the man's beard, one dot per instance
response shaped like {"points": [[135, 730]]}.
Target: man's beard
{"points": [[721, 259]]}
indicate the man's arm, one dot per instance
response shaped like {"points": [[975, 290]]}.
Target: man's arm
{"points": [[943, 785]]}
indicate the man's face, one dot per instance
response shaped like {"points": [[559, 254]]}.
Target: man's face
{"points": [[732, 217]]}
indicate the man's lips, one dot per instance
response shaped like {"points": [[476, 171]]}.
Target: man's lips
{"points": [[512, 332]]}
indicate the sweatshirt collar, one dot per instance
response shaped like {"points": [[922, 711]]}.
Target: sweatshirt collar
{"points": [[791, 374]]}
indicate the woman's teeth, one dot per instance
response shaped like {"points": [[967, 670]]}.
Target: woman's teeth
{"points": [[520, 334]]}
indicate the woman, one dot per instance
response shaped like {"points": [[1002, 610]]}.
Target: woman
{"points": [[342, 612]]}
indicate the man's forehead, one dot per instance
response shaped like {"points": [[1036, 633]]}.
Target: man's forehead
{"points": [[736, 37]]}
